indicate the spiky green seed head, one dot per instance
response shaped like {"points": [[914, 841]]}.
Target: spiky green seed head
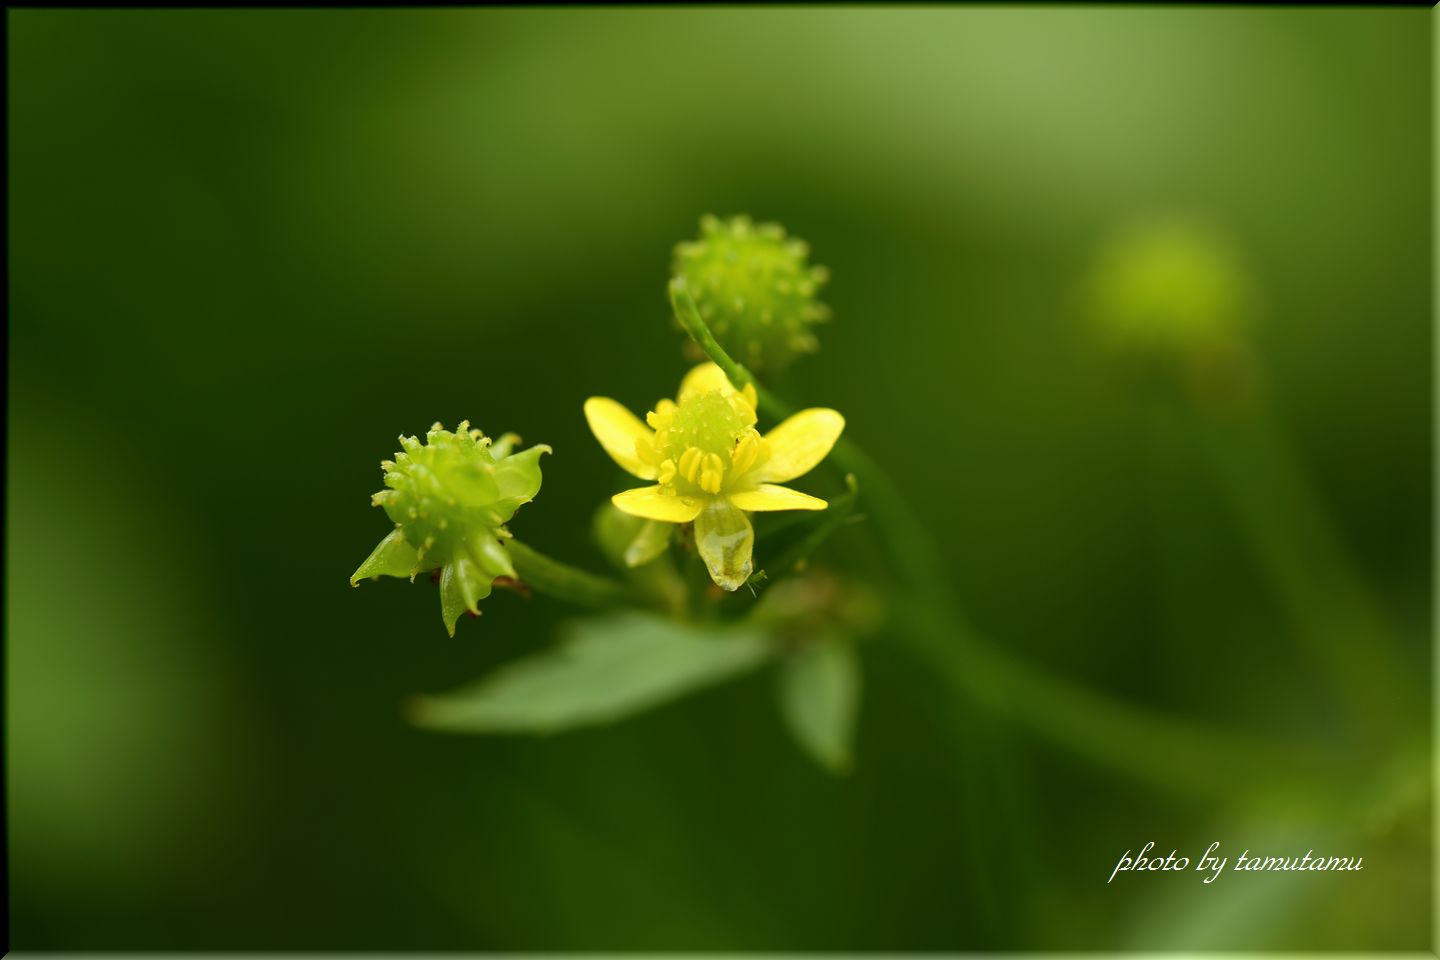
{"points": [[450, 498], [755, 288]]}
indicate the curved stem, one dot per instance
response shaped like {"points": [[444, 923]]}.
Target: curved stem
{"points": [[1124, 737], [1316, 580], [562, 581]]}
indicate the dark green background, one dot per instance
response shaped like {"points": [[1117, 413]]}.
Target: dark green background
{"points": [[249, 248]]}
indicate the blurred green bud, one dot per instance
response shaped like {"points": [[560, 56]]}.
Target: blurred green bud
{"points": [[755, 289], [1170, 286], [450, 498], [630, 541], [634, 545]]}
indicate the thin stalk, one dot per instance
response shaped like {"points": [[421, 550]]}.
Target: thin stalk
{"points": [[1320, 589], [562, 581]]}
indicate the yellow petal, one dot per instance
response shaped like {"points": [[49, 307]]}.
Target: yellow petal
{"points": [[706, 378], [617, 429], [769, 496], [725, 540], [653, 504], [799, 443], [646, 453]]}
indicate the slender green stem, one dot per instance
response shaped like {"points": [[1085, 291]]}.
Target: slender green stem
{"points": [[562, 581], [1320, 589], [1126, 738], [699, 331]]}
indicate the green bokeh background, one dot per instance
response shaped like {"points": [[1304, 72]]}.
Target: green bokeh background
{"points": [[249, 248]]}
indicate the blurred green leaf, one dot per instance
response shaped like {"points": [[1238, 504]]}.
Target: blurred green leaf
{"points": [[819, 698], [607, 668]]}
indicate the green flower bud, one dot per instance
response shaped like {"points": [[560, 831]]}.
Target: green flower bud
{"points": [[628, 541], [450, 498], [1170, 286], [755, 289]]}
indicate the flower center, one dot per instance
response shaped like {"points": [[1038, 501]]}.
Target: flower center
{"points": [[704, 444]]}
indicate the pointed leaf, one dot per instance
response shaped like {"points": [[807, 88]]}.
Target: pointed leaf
{"points": [[604, 669]]}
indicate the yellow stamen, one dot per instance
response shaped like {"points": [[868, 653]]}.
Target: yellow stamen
{"points": [[712, 473], [745, 452], [667, 472], [690, 463], [744, 403]]}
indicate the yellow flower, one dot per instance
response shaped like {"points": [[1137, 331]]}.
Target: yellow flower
{"points": [[710, 464]]}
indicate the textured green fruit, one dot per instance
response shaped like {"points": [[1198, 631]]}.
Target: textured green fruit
{"points": [[755, 288], [450, 498]]}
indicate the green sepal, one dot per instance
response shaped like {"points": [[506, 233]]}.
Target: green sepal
{"points": [[392, 558], [725, 541], [613, 530], [517, 478], [504, 446], [628, 541], [649, 542], [467, 579]]}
